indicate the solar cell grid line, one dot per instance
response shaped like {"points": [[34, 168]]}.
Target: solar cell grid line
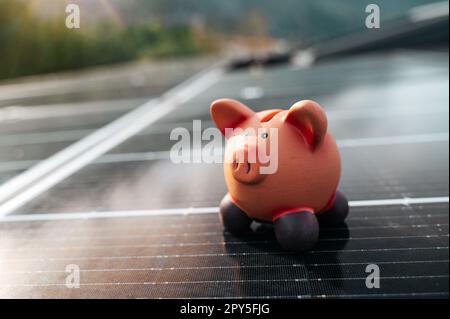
{"points": [[8, 166], [364, 230], [358, 233], [227, 267], [165, 128], [255, 249], [22, 126], [387, 203], [186, 216], [215, 243], [103, 215], [200, 282], [367, 176], [176, 218], [158, 155], [221, 263], [404, 256], [48, 110]]}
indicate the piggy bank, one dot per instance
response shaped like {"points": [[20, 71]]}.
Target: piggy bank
{"points": [[299, 193]]}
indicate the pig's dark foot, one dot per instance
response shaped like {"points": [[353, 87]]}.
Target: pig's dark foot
{"points": [[233, 218], [337, 213], [297, 231]]}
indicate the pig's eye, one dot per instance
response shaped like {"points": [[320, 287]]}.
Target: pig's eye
{"points": [[264, 135]]}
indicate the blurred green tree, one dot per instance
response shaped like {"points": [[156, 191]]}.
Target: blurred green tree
{"points": [[29, 45]]}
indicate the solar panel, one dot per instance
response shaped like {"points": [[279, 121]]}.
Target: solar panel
{"points": [[191, 256], [389, 114]]}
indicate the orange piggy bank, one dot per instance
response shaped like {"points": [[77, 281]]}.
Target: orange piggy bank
{"points": [[282, 167]]}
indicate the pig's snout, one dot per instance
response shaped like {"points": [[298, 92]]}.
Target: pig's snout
{"points": [[245, 166]]}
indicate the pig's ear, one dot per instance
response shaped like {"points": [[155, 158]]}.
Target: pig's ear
{"points": [[309, 118], [228, 113]]}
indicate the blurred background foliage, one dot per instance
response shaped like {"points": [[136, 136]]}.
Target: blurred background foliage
{"points": [[33, 38], [32, 45]]}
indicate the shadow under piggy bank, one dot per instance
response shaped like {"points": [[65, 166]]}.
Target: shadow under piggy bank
{"points": [[264, 269]]}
